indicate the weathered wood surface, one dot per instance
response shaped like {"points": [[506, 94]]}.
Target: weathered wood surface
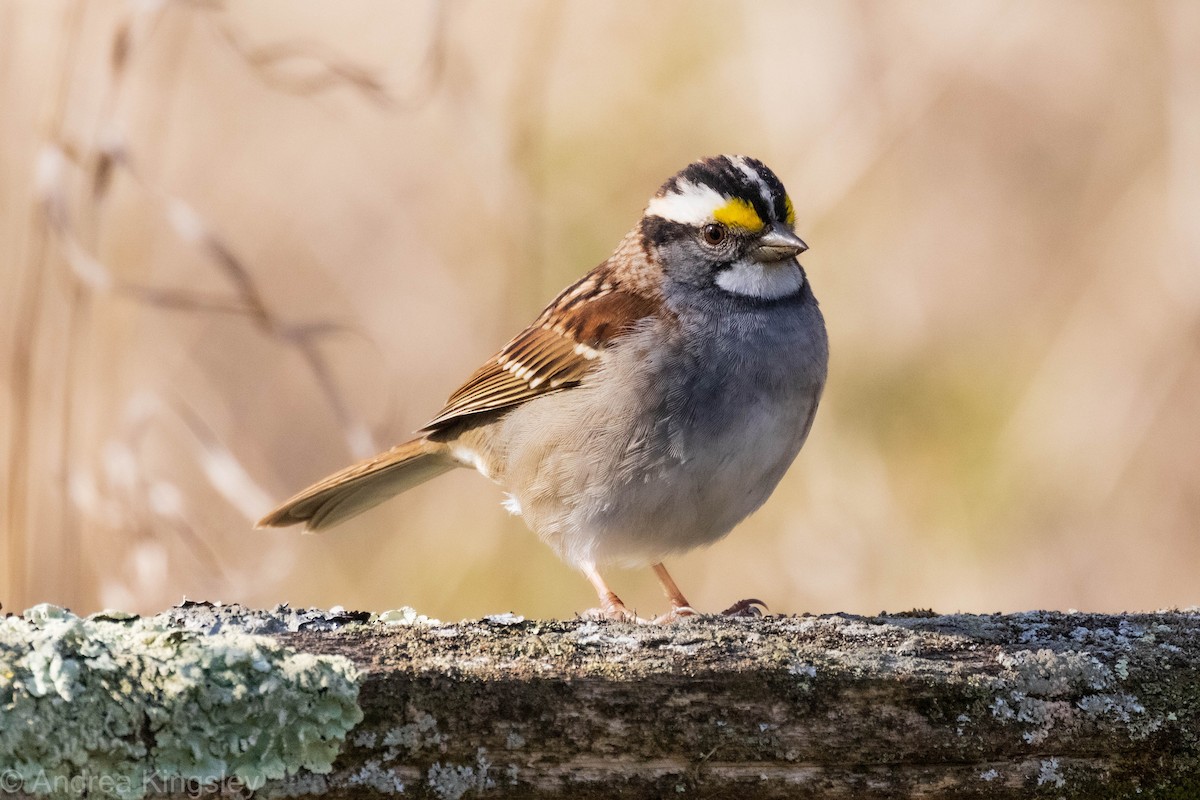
{"points": [[961, 706], [1001, 706]]}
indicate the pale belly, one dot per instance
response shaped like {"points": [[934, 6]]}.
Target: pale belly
{"points": [[729, 470]]}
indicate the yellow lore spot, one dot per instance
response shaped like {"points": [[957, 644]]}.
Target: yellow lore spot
{"points": [[738, 213], [790, 211]]}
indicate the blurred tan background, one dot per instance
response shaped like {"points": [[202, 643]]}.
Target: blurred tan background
{"points": [[244, 243]]}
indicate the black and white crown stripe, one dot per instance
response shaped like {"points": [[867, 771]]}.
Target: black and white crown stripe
{"points": [[691, 196]]}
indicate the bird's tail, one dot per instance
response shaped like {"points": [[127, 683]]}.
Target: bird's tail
{"points": [[361, 486]]}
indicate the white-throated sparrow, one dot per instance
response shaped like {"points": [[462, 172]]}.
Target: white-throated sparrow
{"points": [[652, 406]]}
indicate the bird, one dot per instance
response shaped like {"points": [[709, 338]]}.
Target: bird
{"points": [[652, 406]]}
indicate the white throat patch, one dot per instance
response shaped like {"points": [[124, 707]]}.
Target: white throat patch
{"points": [[764, 281]]}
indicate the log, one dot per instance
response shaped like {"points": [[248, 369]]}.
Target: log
{"points": [[348, 704]]}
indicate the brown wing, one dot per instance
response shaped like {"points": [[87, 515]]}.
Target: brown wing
{"points": [[554, 353]]}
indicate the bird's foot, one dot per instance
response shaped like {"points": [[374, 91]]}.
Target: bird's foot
{"points": [[675, 614], [745, 608], [613, 610]]}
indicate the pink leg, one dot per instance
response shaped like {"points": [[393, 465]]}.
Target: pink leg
{"points": [[680, 607], [611, 606]]}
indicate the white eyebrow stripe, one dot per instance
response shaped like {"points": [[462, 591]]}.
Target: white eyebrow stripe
{"points": [[750, 172], [689, 204]]}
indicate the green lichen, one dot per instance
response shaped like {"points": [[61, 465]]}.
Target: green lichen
{"points": [[114, 706]]}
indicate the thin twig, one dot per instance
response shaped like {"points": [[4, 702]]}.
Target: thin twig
{"points": [[334, 71]]}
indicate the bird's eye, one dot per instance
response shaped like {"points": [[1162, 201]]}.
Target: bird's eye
{"points": [[714, 233]]}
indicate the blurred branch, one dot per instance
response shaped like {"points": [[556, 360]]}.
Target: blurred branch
{"points": [[248, 300], [222, 469], [304, 338], [331, 70], [151, 502], [270, 62], [73, 218], [97, 149], [96, 171]]}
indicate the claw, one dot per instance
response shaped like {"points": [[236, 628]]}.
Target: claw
{"points": [[745, 608], [676, 614], [613, 611]]}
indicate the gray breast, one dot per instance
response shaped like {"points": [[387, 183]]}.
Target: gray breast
{"points": [[680, 434]]}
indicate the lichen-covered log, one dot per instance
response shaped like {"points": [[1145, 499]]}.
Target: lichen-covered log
{"points": [[1003, 706]]}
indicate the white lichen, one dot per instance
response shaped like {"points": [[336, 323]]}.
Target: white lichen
{"points": [[1052, 674], [592, 633], [452, 781], [373, 775], [365, 739], [1049, 774], [802, 669], [406, 616], [1045, 689], [417, 735]]}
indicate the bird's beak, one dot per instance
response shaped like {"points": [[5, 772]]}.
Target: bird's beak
{"points": [[777, 244]]}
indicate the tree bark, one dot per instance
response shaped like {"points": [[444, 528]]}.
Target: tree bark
{"points": [[1039, 704], [914, 705]]}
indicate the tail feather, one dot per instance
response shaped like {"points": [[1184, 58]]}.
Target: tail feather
{"points": [[361, 486]]}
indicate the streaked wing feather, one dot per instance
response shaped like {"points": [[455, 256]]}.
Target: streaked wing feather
{"points": [[509, 379], [555, 353]]}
